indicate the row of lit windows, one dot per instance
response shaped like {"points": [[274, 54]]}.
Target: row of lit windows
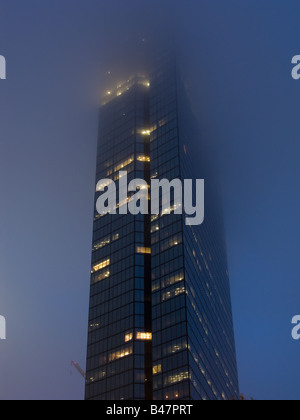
{"points": [[119, 266], [100, 266], [143, 336], [178, 377], [106, 241], [120, 354], [170, 380], [173, 293], [143, 250], [125, 87], [166, 282]]}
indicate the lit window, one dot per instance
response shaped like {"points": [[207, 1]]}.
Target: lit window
{"points": [[157, 369], [120, 354], [177, 347], [123, 164], [128, 337], [101, 244], [105, 241], [173, 293], [143, 250], [146, 132], [144, 336], [100, 266], [96, 325], [177, 378], [143, 158]]}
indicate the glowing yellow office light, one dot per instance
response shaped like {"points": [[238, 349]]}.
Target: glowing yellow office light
{"points": [[100, 266], [120, 354], [128, 337], [143, 158], [143, 250], [144, 336], [157, 369]]}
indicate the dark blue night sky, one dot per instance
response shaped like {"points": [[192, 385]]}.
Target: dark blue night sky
{"points": [[236, 56]]}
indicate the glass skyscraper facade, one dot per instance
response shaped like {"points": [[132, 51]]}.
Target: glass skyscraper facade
{"points": [[160, 321]]}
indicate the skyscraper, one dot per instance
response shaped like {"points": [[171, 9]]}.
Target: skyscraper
{"points": [[160, 322]]}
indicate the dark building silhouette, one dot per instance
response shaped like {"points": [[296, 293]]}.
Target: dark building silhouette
{"points": [[160, 322]]}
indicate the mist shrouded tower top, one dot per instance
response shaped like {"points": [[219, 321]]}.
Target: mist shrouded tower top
{"points": [[160, 323]]}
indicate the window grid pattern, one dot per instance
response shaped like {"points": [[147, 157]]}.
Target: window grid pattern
{"points": [[118, 348]]}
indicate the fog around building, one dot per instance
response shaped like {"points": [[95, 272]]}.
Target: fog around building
{"points": [[235, 59]]}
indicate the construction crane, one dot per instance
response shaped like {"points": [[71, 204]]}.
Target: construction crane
{"points": [[78, 368]]}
